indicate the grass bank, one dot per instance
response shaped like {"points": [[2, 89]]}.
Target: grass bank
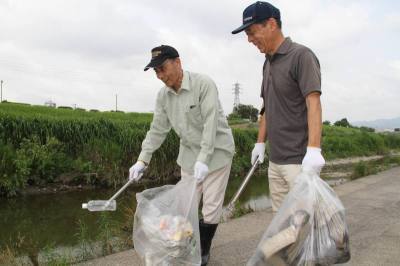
{"points": [[41, 145]]}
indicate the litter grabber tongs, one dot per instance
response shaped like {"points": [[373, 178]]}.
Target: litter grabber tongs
{"points": [[106, 205], [227, 212]]}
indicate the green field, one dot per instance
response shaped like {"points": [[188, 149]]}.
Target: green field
{"points": [[41, 145]]}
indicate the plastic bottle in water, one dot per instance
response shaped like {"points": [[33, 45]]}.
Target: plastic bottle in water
{"points": [[100, 205]]}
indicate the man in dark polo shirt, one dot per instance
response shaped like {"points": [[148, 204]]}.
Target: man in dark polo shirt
{"points": [[291, 89]]}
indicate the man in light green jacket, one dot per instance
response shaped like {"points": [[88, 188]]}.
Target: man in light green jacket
{"points": [[189, 104]]}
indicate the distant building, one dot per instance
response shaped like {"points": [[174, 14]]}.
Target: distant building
{"points": [[50, 103]]}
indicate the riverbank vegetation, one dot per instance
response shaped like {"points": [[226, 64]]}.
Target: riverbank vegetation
{"points": [[363, 168], [41, 146]]}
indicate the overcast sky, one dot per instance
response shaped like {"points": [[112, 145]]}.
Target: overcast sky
{"points": [[83, 52]]}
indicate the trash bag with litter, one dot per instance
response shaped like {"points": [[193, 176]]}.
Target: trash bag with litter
{"points": [[308, 229], [166, 225]]}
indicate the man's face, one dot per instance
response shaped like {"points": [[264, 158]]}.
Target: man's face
{"points": [[260, 34], [169, 72]]}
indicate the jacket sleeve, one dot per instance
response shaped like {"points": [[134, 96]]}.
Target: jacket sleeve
{"points": [[159, 128], [209, 105]]}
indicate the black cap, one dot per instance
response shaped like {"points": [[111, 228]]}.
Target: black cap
{"points": [[257, 12], [161, 53]]}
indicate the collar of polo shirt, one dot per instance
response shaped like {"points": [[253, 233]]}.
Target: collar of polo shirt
{"points": [[185, 83], [284, 47]]}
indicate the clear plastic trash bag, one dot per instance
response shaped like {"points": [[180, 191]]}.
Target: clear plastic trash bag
{"points": [[308, 229], [166, 225]]}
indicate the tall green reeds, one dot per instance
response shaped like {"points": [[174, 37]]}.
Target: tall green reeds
{"points": [[39, 145]]}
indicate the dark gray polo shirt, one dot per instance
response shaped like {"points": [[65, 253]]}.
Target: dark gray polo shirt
{"points": [[288, 77]]}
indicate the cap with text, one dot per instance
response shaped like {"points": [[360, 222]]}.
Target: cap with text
{"points": [[159, 54]]}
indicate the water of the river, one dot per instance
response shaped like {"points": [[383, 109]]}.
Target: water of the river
{"points": [[51, 220]]}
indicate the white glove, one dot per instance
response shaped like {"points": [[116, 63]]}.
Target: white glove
{"points": [[200, 171], [136, 170], [258, 150], [313, 160]]}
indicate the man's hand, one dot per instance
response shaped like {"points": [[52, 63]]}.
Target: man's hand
{"points": [[200, 171], [313, 160], [258, 150], [136, 170]]}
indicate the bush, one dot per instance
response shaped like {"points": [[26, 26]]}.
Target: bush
{"points": [[40, 163], [367, 129], [342, 123], [392, 140], [106, 159], [9, 180], [339, 142], [31, 163], [244, 112], [65, 107], [234, 116], [244, 143], [360, 169]]}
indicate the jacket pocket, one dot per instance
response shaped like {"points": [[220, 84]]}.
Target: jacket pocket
{"points": [[194, 116]]}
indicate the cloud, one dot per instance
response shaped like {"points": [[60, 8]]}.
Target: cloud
{"points": [[85, 52]]}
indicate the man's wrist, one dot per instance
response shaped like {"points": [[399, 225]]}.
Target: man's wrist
{"points": [[145, 164], [203, 158], [313, 148]]}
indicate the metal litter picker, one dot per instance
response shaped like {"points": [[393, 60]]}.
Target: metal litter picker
{"points": [[106, 205], [227, 212]]}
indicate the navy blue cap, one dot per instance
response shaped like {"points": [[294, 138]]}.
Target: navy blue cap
{"points": [[257, 12], [161, 53]]}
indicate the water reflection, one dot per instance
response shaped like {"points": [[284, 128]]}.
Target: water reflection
{"points": [[258, 204]]}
